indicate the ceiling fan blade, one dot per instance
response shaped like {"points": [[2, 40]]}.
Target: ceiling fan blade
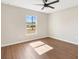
{"points": [[42, 8], [46, 0], [51, 7], [53, 2]]}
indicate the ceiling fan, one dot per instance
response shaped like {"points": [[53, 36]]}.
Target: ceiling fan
{"points": [[47, 4]]}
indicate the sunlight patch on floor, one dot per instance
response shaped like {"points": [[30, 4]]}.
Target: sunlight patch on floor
{"points": [[36, 44], [43, 49], [40, 47]]}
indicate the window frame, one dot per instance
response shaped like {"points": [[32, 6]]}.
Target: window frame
{"points": [[35, 25]]}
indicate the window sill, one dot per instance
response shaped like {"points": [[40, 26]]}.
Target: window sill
{"points": [[30, 34]]}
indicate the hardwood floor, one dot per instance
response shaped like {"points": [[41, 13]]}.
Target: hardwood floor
{"points": [[62, 50]]}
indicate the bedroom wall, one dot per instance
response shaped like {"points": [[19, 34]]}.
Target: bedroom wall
{"points": [[63, 25], [13, 25]]}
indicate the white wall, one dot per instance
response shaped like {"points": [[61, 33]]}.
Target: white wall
{"points": [[14, 28], [63, 25]]}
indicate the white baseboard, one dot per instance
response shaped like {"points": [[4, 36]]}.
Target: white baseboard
{"points": [[4, 45], [34, 39], [65, 40]]}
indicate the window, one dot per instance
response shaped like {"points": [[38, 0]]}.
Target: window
{"points": [[31, 24]]}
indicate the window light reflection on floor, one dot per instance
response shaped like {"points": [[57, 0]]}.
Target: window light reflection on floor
{"points": [[40, 47]]}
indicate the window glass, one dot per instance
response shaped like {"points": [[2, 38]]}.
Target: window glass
{"points": [[31, 24]]}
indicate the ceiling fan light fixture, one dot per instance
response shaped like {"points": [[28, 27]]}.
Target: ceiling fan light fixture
{"points": [[48, 4]]}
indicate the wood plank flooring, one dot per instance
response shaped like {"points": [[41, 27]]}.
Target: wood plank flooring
{"points": [[62, 50]]}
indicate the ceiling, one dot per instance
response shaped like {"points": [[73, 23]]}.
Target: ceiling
{"points": [[30, 4]]}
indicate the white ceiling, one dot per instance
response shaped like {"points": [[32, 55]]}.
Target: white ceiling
{"points": [[30, 4]]}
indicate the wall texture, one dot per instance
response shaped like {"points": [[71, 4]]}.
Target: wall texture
{"points": [[63, 25], [13, 25]]}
